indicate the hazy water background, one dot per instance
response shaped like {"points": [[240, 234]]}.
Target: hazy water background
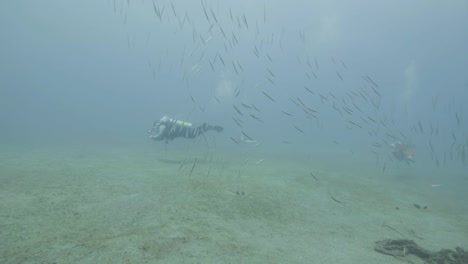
{"points": [[95, 73]]}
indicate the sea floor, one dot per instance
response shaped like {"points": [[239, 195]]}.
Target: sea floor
{"points": [[137, 204]]}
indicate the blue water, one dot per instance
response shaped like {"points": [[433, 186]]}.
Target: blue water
{"points": [[323, 83]]}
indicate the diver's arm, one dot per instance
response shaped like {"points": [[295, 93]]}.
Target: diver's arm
{"points": [[160, 135]]}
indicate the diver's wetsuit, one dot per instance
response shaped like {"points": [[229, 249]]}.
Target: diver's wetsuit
{"points": [[168, 129], [399, 152]]}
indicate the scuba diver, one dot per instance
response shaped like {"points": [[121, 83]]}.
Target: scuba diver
{"points": [[167, 129], [403, 152]]}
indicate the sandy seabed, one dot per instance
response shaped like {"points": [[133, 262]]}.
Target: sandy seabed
{"points": [[133, 204]]}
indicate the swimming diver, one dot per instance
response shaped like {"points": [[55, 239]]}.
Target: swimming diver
{"points": [[168, 129], [402, 151]]}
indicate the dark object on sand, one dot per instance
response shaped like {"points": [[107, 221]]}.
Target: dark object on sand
{"points": [[420, 207], [403, 247]]}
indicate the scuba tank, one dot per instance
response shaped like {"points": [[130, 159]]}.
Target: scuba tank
{"points": [[181, 123]]}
